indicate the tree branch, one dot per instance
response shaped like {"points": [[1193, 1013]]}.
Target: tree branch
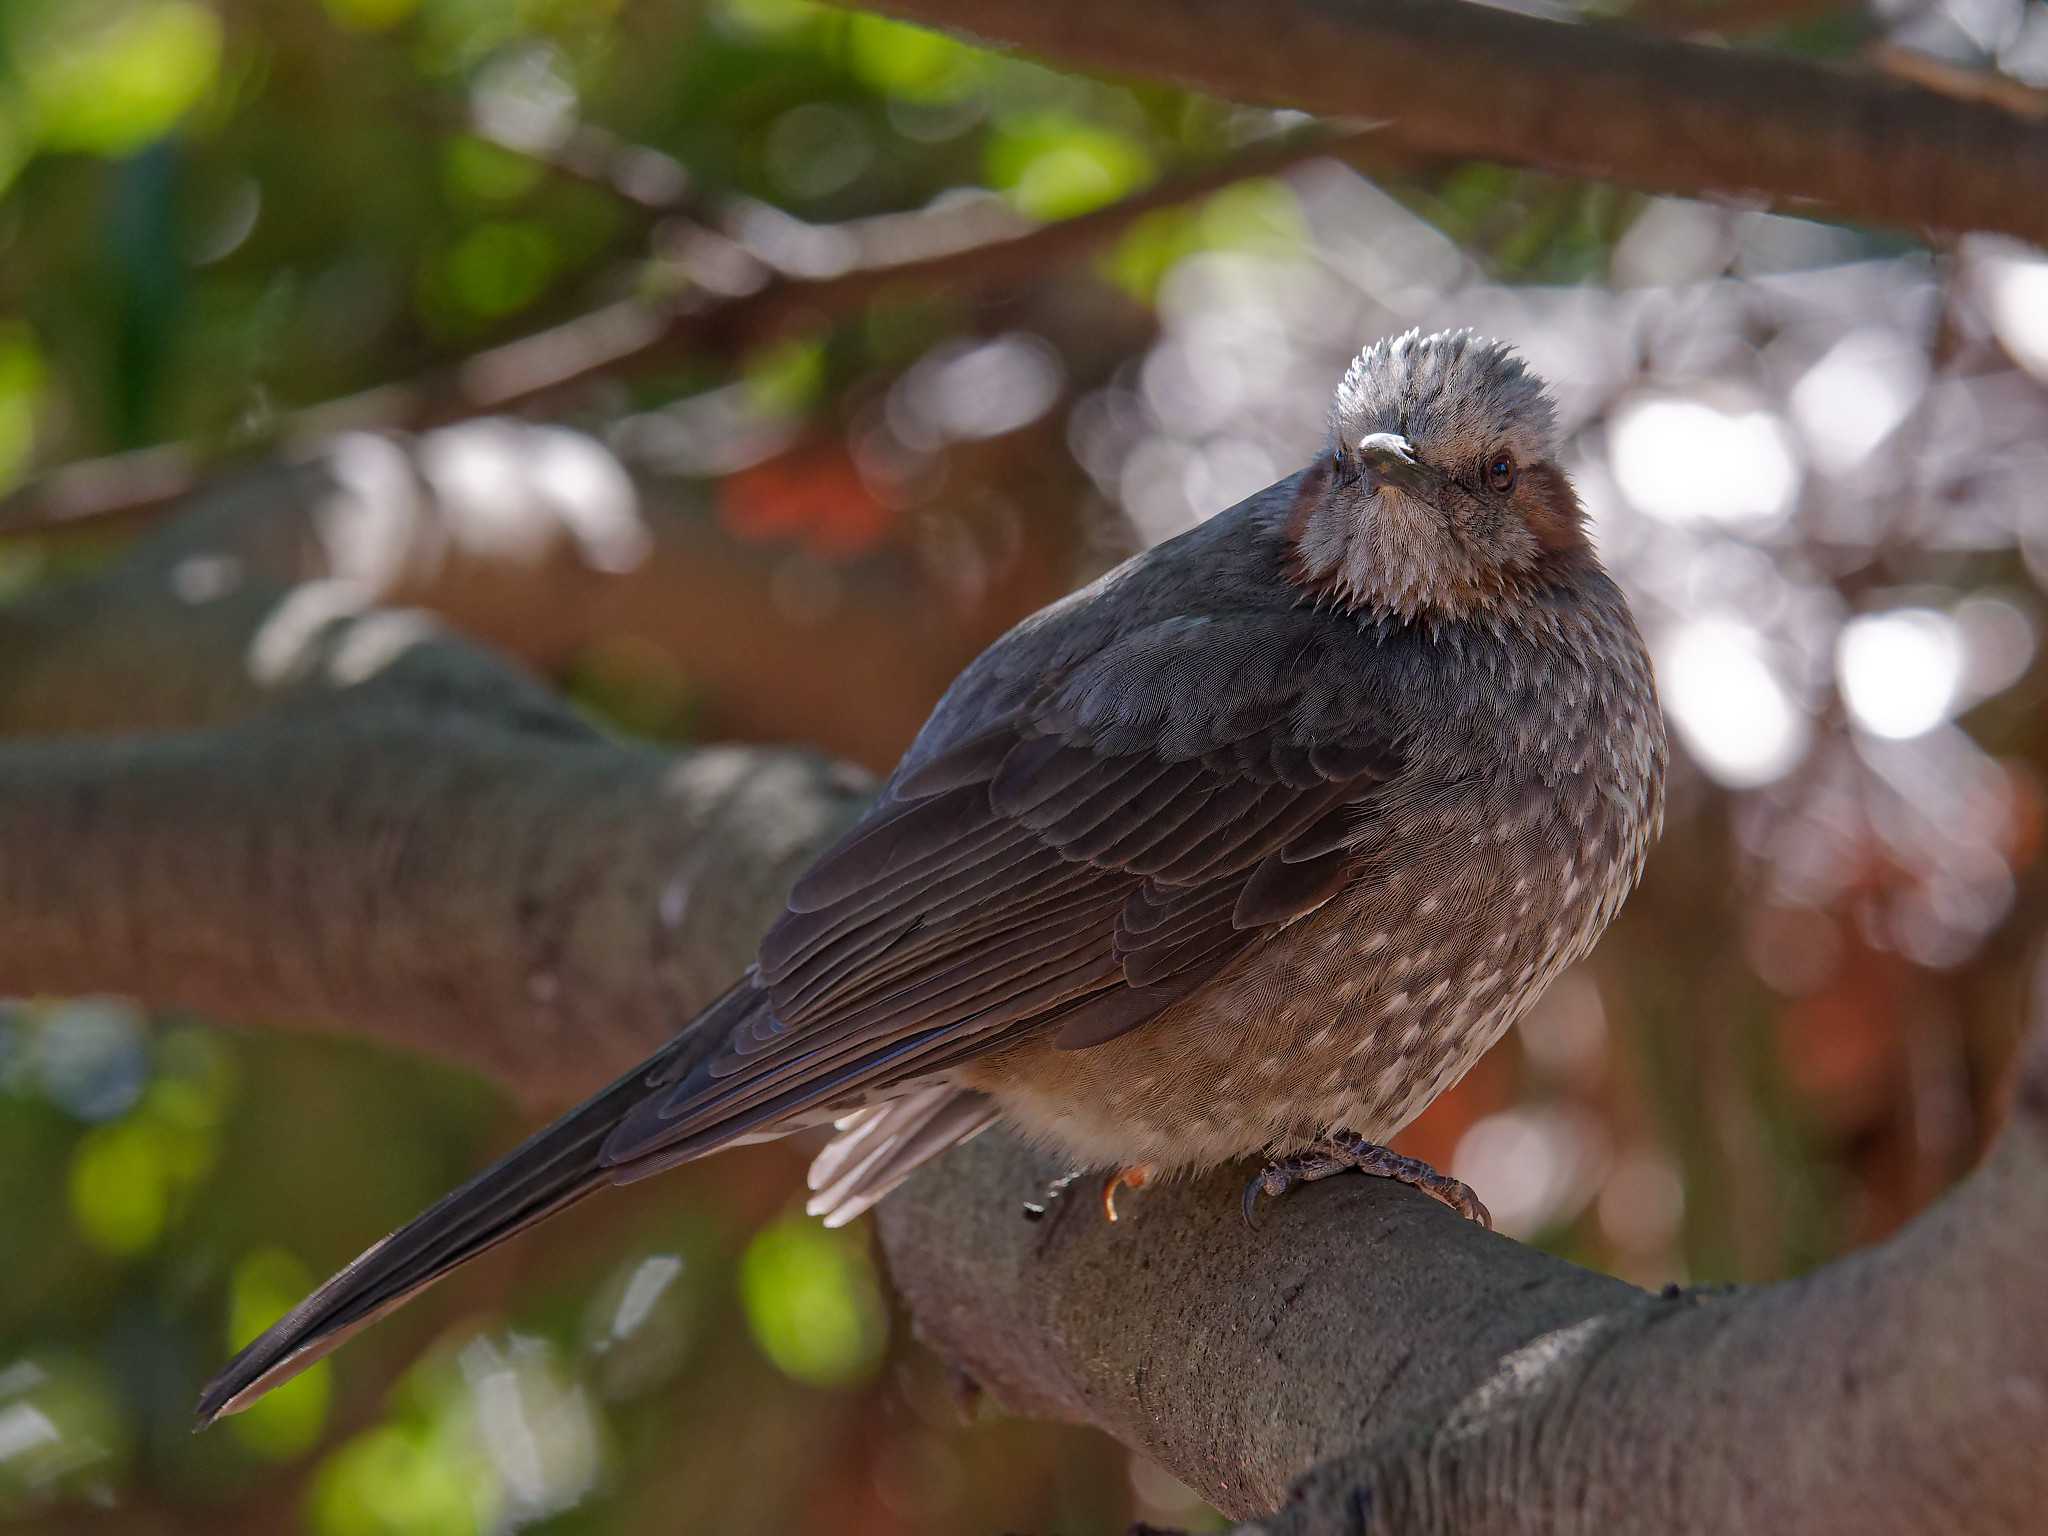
{"points": [[1368, 1361], [343, 817], [754, 275], [1454, 78]]}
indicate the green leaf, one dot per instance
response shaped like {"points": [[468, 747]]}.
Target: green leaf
{"points": [[396, 1480], [813, 1303], [478, 172], [22, 377], [110, 88], [287, 1421], [1054, 165], [910, 63], [120, 1187], [785, 379], [500, 267]]}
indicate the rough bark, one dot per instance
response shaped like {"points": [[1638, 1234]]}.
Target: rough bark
{"points": [[1368, 1361], [378, 827], [1474, 81], [237, 783]]}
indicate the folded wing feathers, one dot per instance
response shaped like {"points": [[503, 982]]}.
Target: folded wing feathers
{"points": [[1017, 876]]}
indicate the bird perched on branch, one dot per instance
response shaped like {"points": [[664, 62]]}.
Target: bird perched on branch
{"points": [[1251, 848]]}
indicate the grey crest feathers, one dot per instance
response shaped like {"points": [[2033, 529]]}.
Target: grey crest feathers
{"points": [[1449, 388]]}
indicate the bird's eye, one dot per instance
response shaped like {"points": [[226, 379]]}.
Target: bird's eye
{"points": [[1500, 472]]}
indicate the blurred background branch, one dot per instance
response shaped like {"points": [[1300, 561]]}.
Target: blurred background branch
{"points": [[308, 749], [747, 273]]}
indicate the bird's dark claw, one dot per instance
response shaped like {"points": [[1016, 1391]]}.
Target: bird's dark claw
{"points": [[1345, 1151]]}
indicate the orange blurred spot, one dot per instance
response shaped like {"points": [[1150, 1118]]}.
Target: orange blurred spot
{"points": [[1841, 1047], [812, 496], [1434, 1134]]}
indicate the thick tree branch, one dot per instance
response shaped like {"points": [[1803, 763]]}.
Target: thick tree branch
{"points": [[1418, 1374], [379, 828], [344, 817], [1454, 78]]}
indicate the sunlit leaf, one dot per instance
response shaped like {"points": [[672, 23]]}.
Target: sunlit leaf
{"points": [[785, 379], [396, 1480], [1149, 249], [111, 88], [16, 142], [121, 1187], [286, 1422], [480, 172], [813, 1303], [912, 63], [1054, 165], [1262, 215], [500, 267]]}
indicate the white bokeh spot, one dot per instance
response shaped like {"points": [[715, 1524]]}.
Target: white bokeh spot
{"points": [[1900, 671], [1729, 707]]}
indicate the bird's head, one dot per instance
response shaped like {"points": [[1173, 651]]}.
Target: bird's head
{"points": [[1439, 495]]}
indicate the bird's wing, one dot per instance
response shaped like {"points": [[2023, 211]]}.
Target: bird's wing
{"points": [[1077, 865]]}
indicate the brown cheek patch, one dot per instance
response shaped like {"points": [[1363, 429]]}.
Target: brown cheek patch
{"points": [[1551, 509], [1314, 490], [1315, 485]]}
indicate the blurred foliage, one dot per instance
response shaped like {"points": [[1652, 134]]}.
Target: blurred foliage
{"points": [[217, 212], [813, 1302]]}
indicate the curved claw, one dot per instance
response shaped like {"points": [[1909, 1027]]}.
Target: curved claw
{"points": [[1468, 1205], [1342, 1151], [1252, 1191]]}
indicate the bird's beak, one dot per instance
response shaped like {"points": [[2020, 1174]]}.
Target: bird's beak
{"points": [[1390, 457]]}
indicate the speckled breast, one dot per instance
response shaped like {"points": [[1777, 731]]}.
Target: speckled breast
{"points": [[1470, 898]]}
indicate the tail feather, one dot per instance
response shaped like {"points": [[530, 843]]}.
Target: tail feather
{"points": [[552, 1169]]}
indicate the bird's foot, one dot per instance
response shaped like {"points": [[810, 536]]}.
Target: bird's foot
{"points": [[1344, 1151]]}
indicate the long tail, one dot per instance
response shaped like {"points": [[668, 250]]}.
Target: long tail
{"points": [[552, 1169]]}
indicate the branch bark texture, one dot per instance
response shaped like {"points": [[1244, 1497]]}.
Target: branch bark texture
{"points": [[1367, 1361], [238, 784], [287, 805], [1454, 78]]}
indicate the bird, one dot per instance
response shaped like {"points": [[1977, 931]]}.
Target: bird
{"points": [[1247, 850]]}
